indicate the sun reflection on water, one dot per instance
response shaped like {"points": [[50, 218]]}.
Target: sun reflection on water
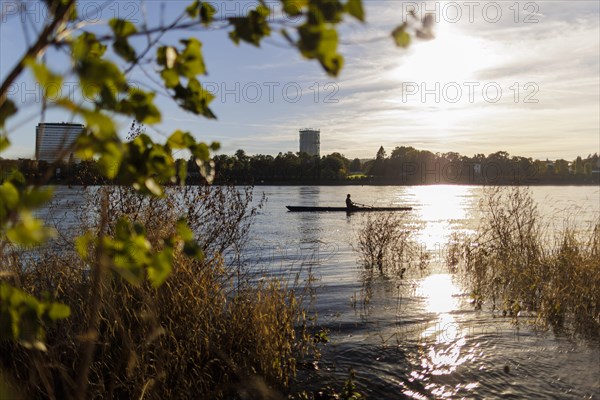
{"points": [[441, 206], [442, 344], [439, 292]]}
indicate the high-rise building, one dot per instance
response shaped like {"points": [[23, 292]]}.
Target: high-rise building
{"points": [[53, 140], [310, 141]]}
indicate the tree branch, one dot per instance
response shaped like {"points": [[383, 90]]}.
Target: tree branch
{"points": [[41, 43]]}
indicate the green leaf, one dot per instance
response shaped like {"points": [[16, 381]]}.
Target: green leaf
{"points": [[190, 63], [16, 177], [122, 28], [58, 311], [110, 159], [331, 61], [184, 231], [101, 77], [194, 98], [7, 109], [294, 7], [161, 267], [122, 230], [9, 195], [190, 246], [401, 37], [193, 9], [29, 231], [87, 46], [192, 249], [328, 11], [170, 77], [82, 244], [50, 83], [124, 50], [180, 140], [320, 42], [129, 271], [182, 171], [207, 12], [200, 151], [207, 169], [85, 147], [23, 317], [4, 143], [140, 105], [101, 126], [251, 28], [355, 8], [166, 56]]}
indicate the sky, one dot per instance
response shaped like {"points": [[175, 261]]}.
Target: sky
{"points": [[521, 77]]}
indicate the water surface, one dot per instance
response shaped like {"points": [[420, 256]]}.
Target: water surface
{"points": [[420, 337]]}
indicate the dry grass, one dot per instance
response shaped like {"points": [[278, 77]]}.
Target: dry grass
{"points": [[208, 332], [516, 266]]}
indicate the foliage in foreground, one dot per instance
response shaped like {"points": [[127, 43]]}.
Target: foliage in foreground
{"points": [[208, 331], [513, 264]]}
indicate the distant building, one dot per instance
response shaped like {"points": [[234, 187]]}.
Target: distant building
{"points": [[310, 141], [52, 139]]}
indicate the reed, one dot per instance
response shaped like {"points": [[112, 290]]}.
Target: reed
{"points": [[385, 242], [210, 331], [517, 266]]}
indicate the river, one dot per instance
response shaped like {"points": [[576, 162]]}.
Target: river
{"points": [[421, 337], [418, 337]]}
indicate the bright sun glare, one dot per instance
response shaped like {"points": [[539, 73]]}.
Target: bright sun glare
{"points": [[449, 66], [451, 57], [439, 291]]}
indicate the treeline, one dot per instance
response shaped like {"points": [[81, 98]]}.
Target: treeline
{"points": [[403, 166]]}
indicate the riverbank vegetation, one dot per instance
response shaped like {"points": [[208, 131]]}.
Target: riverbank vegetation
{"points": [[517, 268], [212, 330]]}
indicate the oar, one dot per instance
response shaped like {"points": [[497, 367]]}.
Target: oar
{"points": [[363, 205]]}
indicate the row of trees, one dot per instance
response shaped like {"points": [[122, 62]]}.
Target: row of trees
{"points": [[405, 165], [411, 166], [285, 167]]}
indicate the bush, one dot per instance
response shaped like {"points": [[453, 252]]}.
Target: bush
{"points": [[384, 242]]}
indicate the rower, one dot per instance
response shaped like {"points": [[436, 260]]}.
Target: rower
{"points": [[349, 203]]}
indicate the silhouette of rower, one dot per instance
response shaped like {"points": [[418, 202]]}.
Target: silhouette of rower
{"points": [[349, 203]]}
